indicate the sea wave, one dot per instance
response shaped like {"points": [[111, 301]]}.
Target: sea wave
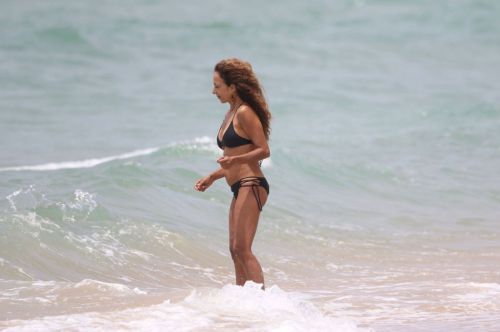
{"points": [[201, 144], [198, 143]]}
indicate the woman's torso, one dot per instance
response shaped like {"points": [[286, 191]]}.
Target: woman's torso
{"points": [[236, 134]]}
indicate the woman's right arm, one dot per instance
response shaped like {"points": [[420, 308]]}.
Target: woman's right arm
{"points": [[203, 183]]}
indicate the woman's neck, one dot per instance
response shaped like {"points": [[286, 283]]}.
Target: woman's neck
{"points": [[235, 104]]}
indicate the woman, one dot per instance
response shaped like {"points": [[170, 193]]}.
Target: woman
{"points": [[243, 137]]}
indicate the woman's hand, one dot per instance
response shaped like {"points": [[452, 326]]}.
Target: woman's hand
{"points": [[226, 162], [203, 183]]}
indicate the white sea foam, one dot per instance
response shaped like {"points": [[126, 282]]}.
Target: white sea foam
{"points": [[24, 197], [106, 287], [93, 293], [227, 309], [477, 293], [83, 201]]}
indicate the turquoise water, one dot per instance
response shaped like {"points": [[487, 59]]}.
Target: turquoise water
{"points": [[385, 150]]}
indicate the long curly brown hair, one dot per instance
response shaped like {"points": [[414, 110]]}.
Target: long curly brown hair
{"points": [[240, 73]]}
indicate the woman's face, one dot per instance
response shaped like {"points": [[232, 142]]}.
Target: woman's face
{"points": [[221, 90]]}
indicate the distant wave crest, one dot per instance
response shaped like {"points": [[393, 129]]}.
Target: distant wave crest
{"points": [[204, 143], [87, 163]]}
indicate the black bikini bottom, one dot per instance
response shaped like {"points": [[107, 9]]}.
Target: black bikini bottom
{"points": [[254, 182]]}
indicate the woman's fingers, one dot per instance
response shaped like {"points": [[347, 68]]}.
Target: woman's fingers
{"points": [[201, 185], [224, 161]]}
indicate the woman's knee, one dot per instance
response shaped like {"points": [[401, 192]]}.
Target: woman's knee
{"points": [[240, 252]]}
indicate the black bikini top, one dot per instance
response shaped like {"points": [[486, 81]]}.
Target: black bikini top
{"points": [[230, 138]]}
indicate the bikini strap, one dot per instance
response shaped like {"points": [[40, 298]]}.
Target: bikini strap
{"points": [[230, 122], [254, 183]]}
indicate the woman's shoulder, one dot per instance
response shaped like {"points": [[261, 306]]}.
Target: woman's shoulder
{"points": [[245, 112], [247, 117]]}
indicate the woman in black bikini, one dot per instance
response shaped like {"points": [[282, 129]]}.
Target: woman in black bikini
{"points": [[243, 136]]}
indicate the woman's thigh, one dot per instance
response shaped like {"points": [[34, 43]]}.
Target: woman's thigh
{"points": [[245, 216], [232, 224]]}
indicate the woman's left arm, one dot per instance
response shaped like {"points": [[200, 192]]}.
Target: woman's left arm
{"points": [[249, 121]]}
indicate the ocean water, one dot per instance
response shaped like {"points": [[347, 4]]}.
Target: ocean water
{"points": [[384, 212]]}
